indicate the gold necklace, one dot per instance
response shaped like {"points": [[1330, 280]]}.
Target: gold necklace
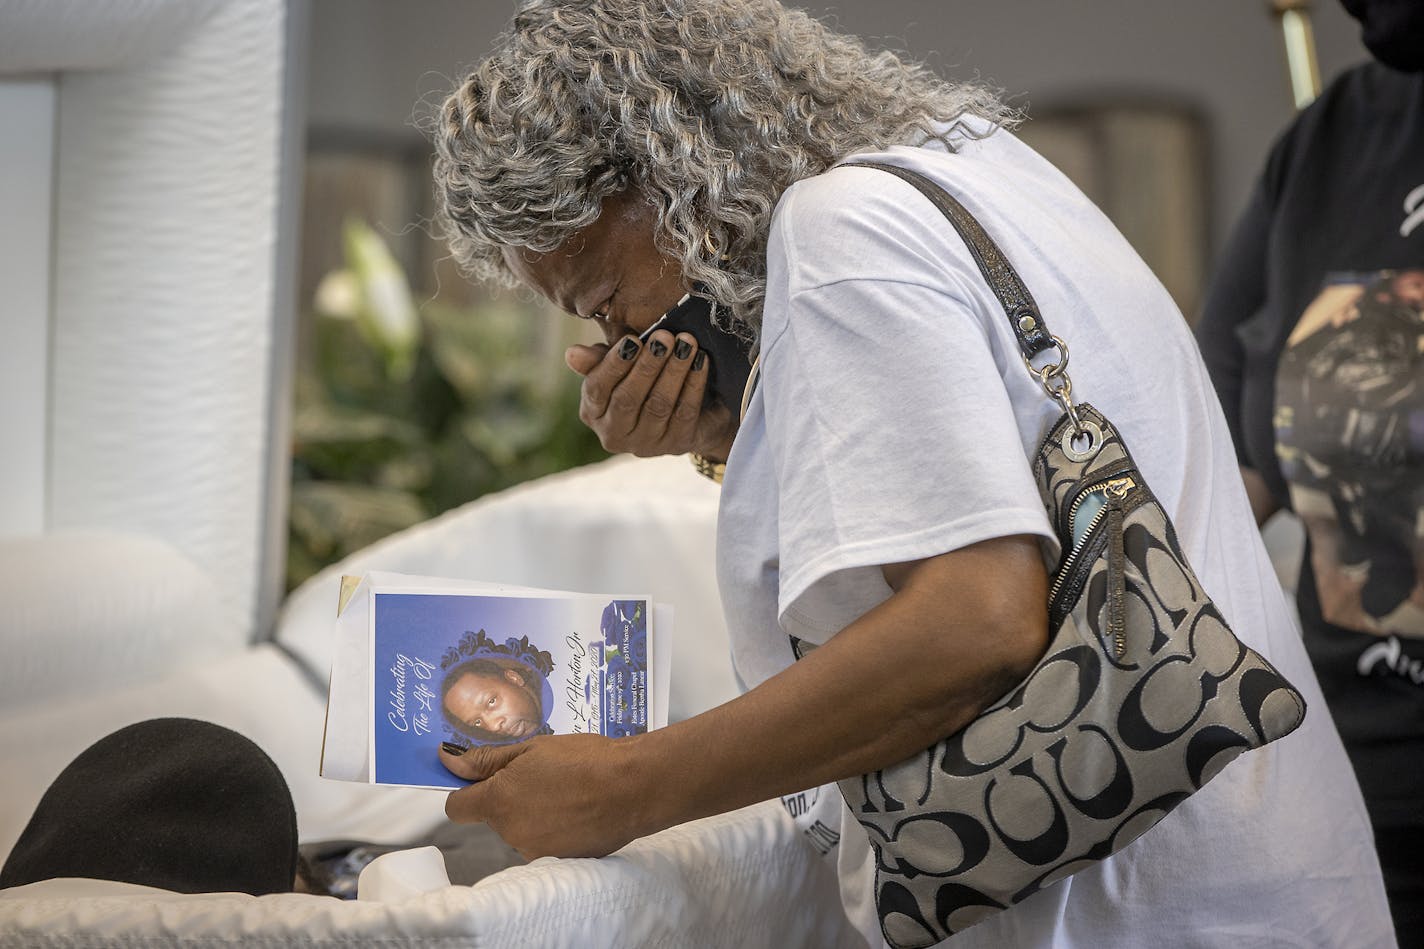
{"points": [[716, 470]]}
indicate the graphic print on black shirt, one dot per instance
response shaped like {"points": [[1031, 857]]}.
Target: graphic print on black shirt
{"points": [[1349, 427]]}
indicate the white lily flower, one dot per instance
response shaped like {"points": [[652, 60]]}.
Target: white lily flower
{"points": [[387, 313], [338, 295]]}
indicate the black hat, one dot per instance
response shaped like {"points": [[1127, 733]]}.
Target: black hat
{"points": [[172, 803]]}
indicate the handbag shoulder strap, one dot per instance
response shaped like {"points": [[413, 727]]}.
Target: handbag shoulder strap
{"points": [[1024, 317]]}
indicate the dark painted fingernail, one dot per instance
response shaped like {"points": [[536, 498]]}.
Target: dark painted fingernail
{"points": [[699, 362], [657, 347], [629, 349], [450, 748], [682, 349]]}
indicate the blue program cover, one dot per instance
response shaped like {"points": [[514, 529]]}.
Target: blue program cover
{"points": [[494, 670]]}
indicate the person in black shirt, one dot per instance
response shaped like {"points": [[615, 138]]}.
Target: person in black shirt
{"points": [[1313, 331]]}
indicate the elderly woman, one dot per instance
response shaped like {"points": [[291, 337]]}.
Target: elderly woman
{"points": [[878, 502]]}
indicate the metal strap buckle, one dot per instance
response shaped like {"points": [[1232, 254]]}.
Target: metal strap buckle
{"points": [[1053, 377]]}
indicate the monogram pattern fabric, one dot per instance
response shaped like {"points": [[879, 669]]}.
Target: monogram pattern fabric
{"points": [[1143, 696]]}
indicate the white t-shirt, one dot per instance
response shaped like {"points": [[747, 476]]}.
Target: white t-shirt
{"points": [[894, 421]]}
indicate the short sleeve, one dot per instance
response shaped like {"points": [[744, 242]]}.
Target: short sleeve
{"points": [[892, 433]]}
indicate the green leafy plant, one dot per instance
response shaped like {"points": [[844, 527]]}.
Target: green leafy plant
{"points": [[408, 409]]}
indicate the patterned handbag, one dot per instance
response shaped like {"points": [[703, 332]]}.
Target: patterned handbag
{"points": [[1143, 695]]}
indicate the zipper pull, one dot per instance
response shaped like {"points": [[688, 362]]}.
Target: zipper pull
{"points": [[1117, 566], [1117, 488]]}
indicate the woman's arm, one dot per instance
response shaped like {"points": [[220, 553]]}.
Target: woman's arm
{"points": [[1237, 292], [1263, 504], [959, 631]]}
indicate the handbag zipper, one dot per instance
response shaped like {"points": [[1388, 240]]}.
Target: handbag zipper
{"points": [[1114, 492], [1117, 579]]}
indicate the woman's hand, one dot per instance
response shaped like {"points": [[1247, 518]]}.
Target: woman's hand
{"points": [[893, 682], [647, 398], [555, 795]]}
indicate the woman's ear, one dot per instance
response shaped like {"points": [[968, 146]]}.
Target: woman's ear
{"points": [[513, 676]]}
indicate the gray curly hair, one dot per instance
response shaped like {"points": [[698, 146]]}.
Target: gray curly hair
{"points": [[711, 108]]}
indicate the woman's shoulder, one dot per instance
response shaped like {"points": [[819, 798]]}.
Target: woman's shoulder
{"points": [[850, 197], [846, 196], [852, 221]]}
